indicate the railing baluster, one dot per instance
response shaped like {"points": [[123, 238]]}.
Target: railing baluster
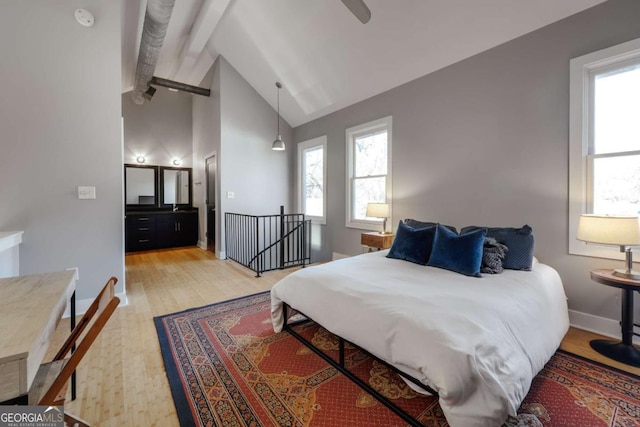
{"points": [[268, 242]]}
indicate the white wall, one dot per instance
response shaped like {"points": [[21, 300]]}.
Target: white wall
{"points": [[160, 129], [206, 141], [257, 175], [10, 253], [485, 142], [60, 122], [239, 125]]}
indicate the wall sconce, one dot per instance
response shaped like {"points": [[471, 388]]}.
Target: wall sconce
{"points": [[176, 162], [140, 159]]}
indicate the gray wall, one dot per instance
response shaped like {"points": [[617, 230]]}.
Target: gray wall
{"points": [[160, 129], [60, 121], [485, 142], [239, 125], [206, 141]]}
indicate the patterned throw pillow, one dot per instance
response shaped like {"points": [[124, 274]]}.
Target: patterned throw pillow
{"points": [[519, 241]]}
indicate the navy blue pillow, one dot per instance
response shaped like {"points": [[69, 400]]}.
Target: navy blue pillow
{"points": [[460, 253], [519, 241], [414, 223], [412, 244]]}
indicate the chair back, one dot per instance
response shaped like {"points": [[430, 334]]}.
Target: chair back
{"points": [[92, 321]]}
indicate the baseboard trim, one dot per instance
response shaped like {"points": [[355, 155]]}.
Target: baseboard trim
{"points": [[337, 255], [83, 305], [598, 325], [202, 245]]}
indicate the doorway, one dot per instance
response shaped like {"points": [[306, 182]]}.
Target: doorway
{"points": [[210, 178]]}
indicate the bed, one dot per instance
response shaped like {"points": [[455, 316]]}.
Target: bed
{"points": [[478, 342]]}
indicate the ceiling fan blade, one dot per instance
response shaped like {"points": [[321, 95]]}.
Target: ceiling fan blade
{"points": [[359, 9]]}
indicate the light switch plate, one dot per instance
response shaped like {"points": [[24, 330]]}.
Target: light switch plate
{"points": [[86, 192], [230, 194]]}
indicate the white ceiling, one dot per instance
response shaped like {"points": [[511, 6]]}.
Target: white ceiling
{"points": [[323, 56]]}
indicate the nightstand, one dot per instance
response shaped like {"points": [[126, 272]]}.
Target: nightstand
{"points": [[623, 351], [376, 240]]}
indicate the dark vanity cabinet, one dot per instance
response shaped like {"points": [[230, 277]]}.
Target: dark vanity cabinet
{"points": [[178, 229], [159, 208], [140, 232], [161, 229]]}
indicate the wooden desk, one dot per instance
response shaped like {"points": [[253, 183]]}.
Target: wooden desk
{"points": [[30, 309]]}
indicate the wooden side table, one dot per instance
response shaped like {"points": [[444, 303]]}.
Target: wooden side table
{"points": [[377, 240], [623, 351]]}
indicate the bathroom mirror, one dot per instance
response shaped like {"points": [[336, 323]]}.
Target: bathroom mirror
{"points": [[141, 186], [176, 186]]}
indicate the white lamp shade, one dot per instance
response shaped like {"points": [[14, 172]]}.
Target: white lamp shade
{"points": [[377, 210], [609, 230], [278, 144]]}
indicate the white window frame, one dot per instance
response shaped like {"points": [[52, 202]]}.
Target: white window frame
{"points": [[320, 141], [580, 129], [351, 134]]}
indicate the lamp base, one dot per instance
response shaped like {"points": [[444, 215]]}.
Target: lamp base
{"points": [[618, 351], [627, 274]]}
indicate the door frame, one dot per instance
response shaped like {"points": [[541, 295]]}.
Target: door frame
{"points": [[208, 156]]}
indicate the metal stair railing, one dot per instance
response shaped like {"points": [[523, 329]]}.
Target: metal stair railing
{"points": [[268, 242]]}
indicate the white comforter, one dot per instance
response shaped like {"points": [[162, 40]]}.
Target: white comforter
{"points": [[477, 341]]}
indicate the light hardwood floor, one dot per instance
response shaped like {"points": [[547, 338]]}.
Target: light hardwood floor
{"points": [[122, 381]]}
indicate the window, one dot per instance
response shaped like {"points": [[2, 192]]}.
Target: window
{"points": [[312, 179], [604, 159], [368, 171]]}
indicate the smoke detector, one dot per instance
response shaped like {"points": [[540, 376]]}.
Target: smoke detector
{"points": [[84, 17]]}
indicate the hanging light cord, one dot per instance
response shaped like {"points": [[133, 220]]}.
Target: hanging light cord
{"points": [[279, 86]]}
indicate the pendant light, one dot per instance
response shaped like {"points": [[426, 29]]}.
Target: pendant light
{"points": [[278, 143]]}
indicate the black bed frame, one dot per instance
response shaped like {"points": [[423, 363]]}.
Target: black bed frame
{"points": [[340, 365]]}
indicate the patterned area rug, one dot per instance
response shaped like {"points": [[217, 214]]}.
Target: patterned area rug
{"points": [[226, 367]]}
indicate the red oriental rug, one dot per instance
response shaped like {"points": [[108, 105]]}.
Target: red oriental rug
{"points": [[226, 367]]}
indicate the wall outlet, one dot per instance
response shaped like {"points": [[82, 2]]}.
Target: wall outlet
{"points": [[85, 192], [231, 195]]}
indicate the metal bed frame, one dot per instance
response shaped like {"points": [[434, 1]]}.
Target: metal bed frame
{"points": [[341, 367]]}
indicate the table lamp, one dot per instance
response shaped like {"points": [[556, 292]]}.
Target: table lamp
{"points": [[622, 231], [379, 210]]}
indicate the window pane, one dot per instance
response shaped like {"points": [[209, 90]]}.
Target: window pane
{"points": [[371, 154], [617, 111], [616, 185], [367, 190], [313, 159]]}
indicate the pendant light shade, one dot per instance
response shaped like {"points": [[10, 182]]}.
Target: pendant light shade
{"points": [[278, 143]]}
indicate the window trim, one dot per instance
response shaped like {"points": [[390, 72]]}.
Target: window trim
{"points": [[320, 141], [385, 123], [580, 131]]}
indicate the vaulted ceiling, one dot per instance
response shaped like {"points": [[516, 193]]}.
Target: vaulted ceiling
{"points": [[324, 57]]}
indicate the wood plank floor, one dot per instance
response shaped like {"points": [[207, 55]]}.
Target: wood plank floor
{"points": [[122, 382]]}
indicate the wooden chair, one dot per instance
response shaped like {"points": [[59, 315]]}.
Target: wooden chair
{"points": [[50, 384]]}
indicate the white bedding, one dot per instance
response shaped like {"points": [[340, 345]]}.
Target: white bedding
{"points": [[477, 341]]}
